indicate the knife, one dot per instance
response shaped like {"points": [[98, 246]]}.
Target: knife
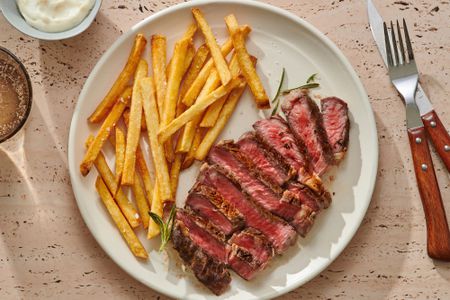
{"points": [[433, 125]]}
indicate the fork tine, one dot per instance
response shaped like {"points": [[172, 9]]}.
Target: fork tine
{"points": [[400, 41], [408, 41], [388, 46], [394, 44]]}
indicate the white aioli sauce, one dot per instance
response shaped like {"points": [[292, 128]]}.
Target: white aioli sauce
{"points": [[54, 15]]}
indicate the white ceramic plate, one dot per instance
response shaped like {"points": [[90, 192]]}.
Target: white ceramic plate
{"points": [[278, 39]]}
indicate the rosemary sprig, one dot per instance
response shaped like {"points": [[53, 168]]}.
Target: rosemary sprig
{"points": [[279, 86], [311, 78], [277, 95], [307, 86], [165, 228]]}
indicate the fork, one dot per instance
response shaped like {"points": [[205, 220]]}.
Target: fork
{"points": [[404, 76]]}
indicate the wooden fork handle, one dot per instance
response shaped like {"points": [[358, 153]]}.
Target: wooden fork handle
{"points": [[439, 136], [438, 235]]}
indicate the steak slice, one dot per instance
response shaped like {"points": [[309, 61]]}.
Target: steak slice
{"points": [[274, 133], [206, 202], [205, 235], [250, 252], [279, 233], [305, 120], [208, 270], [273, 173], [224, 157], [336, 124]]}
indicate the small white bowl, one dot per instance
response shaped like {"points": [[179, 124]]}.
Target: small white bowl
{"points": [[14, 17]]}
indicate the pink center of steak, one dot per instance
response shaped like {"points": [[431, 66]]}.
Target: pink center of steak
{"points": [[251, 148], [275, 134], [201, 205], [254, 244], [305, 121], [336, 122], [280, 234], [203, 238], [260, 193]]}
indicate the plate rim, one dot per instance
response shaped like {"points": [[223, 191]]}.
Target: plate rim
{"points": [[323, 38]]}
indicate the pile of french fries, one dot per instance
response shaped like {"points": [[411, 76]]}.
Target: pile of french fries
{"points": [[181, 109]]}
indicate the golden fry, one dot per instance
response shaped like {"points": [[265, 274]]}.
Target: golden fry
{"points": [[141, 201], [190, 157], [187, 135], [123, 226], [159, 160], [175, 173], [248, 70], [156, 208], [126, 119], [201, 104], [142, 165], [213, 111], [159, 49], [121, 82], [120, 153], [197, 84], [219, 59], [104, 132], [107, 175], [134, 126], [145, 174], [197, 63], [212, 134]]}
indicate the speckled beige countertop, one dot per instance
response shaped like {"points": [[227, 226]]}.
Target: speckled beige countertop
{"points": [[46, 251]]}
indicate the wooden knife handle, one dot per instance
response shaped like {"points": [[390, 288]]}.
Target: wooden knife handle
{"points": [[439, 136], [438, 235]]}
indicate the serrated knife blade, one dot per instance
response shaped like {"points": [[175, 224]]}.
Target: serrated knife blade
{"points": [[376, 26]]}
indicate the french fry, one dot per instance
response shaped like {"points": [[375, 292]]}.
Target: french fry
{"points": [[123, 226], [120, 153], [142, 165], [126, 119], [145, 174], [159, 49], [225, 114], [134, 127], [107, 175], [159, 160], [104, 132], [200, 105], [173, 85], [190, 52], [175, 172], [197, 84], [198, 61], [156, 208], [248, 70], [216, 54], [121, 82], [141, 201], [213, 111], [190, 156], [187, 135]]}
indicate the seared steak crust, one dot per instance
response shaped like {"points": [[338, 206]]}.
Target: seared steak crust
{"points": [[336, 124], [305, 120], [208, 270], [280, 234], [271, 171], [205, 201], [250, 252]]}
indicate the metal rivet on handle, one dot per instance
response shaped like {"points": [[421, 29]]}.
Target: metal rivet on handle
{"points": [[446, 148], [433, 124], [424, 167], [418, 140]]}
